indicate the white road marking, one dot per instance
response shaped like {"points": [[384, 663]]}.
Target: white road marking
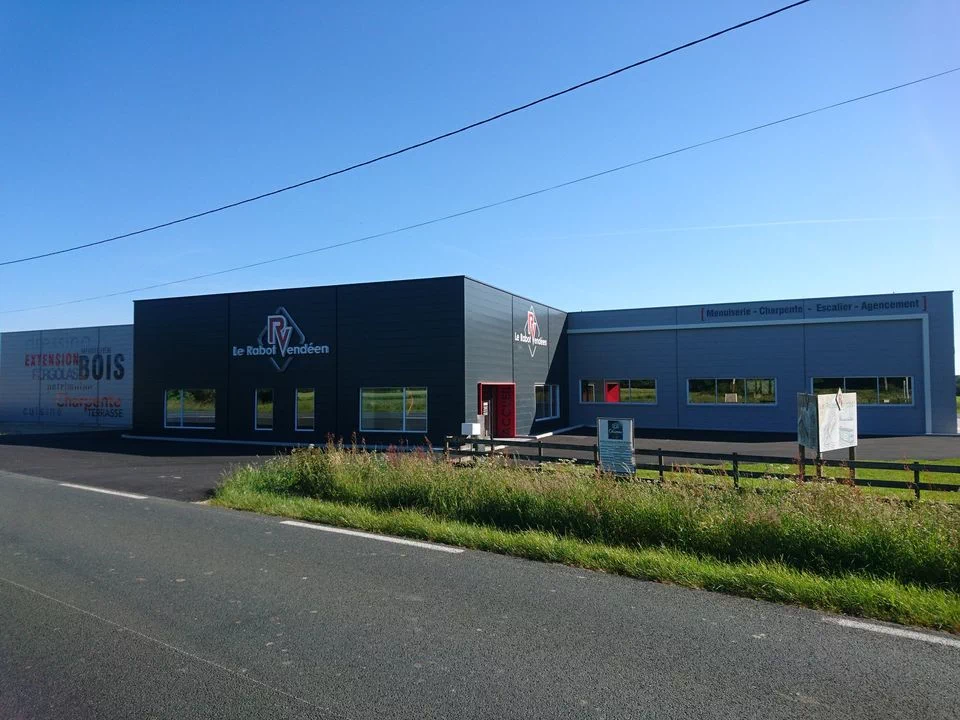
{"points": [[371, 536], [105, 492], [898, 632]]}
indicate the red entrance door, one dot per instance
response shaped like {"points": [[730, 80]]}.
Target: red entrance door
{"points": [[498, 401]]}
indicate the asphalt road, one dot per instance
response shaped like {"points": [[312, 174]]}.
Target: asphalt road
{"points": [[181, 471], [112, 607]]}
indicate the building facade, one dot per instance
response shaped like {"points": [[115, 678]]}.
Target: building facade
{"points": [[740, 366], [386, 362], [398, 362]]}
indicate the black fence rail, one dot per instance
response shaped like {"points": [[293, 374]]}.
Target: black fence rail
{"points": [[720, 464]]}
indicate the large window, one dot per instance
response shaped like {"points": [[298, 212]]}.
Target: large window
{"points": [[196, 409], [731, 391], [394, 409], [306, 403], [639, 391], [264, 406], [870, 390], [548, 401]]}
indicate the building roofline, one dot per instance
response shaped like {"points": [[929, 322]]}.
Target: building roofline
{"points": [[755, 302]]}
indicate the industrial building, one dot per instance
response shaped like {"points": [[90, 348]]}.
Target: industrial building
{"points": [[406, 360]]}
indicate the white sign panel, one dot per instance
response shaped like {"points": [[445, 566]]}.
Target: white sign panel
{"points": [[80, 376], [615, 440], [827, 422], [838, 421]]}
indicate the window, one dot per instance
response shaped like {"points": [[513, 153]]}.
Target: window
{"points": [[864, 387], [870, 390], [588, 390], [393, 409], [638, 391], [731, 391], [701, 391], [196, 409], [264, 415], [548, 402], [306, 399]]}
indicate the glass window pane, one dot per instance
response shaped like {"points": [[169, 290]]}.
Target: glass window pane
{"points": [[416, 409], [624, 393], [171, 411], [588, 390], [729, 390], [547, 401], [701, 391], [864, 387], [199, 408], [895, 391], [761, 390], [306, 399], [381, 408], [822, 386], [264, 409]]}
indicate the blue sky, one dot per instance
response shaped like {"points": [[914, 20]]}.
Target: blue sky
{"points": [[119, 115]]}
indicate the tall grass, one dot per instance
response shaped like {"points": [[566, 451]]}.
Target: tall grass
{"points": [[822, 528]]}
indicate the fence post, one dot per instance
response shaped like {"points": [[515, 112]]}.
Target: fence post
{"points": [[539, 453], [446, 447], [476, 449], [596, 455], [802, 463], [819, 466], [916, 479], [853, 466], [660, 463], [736, 472]]}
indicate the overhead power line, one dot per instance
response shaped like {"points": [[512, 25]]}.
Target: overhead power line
{"points": [[415, 146], [498, 203]]}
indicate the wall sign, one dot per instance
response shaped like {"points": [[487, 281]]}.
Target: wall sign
{"points": [[530, 335], [81, 376], [615, 440], [280, 341]]}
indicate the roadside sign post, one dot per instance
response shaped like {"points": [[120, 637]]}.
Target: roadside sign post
{"points": [[615, 445], [825, 423]]}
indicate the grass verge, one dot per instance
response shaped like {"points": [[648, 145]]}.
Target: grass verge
{"points": [[852, 594]]}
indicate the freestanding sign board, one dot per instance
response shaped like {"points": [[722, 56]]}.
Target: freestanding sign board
{"points": [[827, 422], [615, 440]]}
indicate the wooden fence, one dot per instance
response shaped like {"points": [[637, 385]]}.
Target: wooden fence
{"points": [[724, 464]]}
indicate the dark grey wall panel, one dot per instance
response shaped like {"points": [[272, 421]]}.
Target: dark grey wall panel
{"points": [[530, 360], [312, 312], [488, 340], [873, 349], [742, 352], [179, 343], [616, 356], [405, 333], [942, 348]]}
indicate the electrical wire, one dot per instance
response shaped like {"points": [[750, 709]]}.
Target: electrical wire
{"points": [[415, 146], [498, 203]]}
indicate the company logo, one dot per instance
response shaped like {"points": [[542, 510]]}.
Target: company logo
{"points": [[280, 340], [530, 335]]}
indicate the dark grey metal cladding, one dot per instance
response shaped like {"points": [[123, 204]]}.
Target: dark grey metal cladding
{"points": [[622, 356], [531, 361], [396, 334], [488, 340], [179, 343], [312, 315], [558, 363], [941, 342], [889, 348]]}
